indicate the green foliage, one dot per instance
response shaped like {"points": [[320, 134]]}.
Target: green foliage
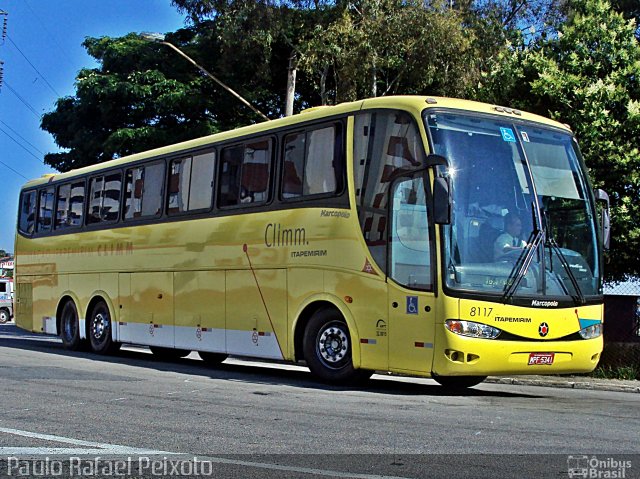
{"points": [[588, 75], [380, 47], [126, 105]]}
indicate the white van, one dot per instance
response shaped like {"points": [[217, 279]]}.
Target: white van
{"points": [[6, 299]]}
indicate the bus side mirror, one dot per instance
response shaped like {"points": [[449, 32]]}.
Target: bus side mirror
{"points": [[605, 221], [441, 201], [436, 160], [441, 190]]}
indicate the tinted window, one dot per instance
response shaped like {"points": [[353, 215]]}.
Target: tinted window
{"points": [[143, 196], [310, 163], [190, 183], [385, 144], [245, 173], [45, 209], [69, 205], [27, 220], [104, 198]]}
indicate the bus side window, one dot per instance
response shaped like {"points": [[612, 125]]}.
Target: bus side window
{"points": [[386, 144], [201, 186], [45, 210], [69, 205], [245, 173], [191, 183], [111, 196], [62, 206], [104, 198], [144, 190], [94, 213], [26, 223], [179, 178], [76, 204], [410, 259], [310, 164]]}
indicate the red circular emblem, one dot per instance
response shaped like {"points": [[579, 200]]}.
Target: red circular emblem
{"points": [[543, 329]]}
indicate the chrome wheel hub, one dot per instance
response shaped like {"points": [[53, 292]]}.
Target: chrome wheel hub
{"points": [[99, 326], [333, 344]]}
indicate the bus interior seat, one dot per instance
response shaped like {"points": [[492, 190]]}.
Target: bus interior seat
{"points": [[486, 240], [481, 236]]}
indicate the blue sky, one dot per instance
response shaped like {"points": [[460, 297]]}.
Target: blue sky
{"points": [[42, 54]]}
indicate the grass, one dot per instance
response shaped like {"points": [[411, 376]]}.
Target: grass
{"points": [[619, 361]]}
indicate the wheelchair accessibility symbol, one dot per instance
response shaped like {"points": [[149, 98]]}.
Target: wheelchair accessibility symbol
{"points": [[412, 305], [507, 135]]}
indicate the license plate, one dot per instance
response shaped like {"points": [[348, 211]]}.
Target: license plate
{"points": [[541, 359]]}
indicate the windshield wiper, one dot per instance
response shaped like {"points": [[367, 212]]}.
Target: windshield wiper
{"points": [[521, 266], [578, 298]]}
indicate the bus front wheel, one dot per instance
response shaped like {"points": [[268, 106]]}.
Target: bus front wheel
{"points": [[327, 348], [100, 327], [69, 327], [458, 382], [5, 316]]}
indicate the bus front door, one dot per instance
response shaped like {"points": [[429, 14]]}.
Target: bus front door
{"points": [[411, 331]]}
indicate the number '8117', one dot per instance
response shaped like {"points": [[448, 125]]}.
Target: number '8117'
{"points": [[480, 311]]}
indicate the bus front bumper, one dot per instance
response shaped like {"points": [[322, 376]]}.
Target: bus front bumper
{"points": [[457, 355]]}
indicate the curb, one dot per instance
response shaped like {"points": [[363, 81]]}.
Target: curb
{"points": [[569, 383]]}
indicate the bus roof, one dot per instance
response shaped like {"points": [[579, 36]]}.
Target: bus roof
{"points": [[414, 104]]}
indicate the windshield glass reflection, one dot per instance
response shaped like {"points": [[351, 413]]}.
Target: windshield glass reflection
{"points": [[499, 222]]}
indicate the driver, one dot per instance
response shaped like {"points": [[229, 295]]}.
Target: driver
{"points": [[510, 239]]}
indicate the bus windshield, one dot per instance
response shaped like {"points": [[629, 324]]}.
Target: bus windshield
{"points": [[523, 222]]}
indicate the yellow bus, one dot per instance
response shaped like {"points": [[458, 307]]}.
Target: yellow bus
{"points": [[420, 236]]}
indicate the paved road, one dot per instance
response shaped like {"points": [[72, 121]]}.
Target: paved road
{"points": [[252, 419]]}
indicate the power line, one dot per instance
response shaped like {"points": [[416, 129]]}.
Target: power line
{"points": [[20, 145], [22, 138], [51, 36], [33, 66], [24, 102], [3, 163]]}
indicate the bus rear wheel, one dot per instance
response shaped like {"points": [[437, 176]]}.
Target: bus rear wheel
{"points": [[458, 382], [169, 354], [5, 316], [99, 330], [327, 348], [69, 327]]}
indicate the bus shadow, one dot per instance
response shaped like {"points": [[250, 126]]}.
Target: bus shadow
{"points": [[265, 372]]}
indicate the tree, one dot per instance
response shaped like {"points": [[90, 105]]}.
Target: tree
{"points": [[380, 47], [271, 34], [588, 75], [140, 97]]}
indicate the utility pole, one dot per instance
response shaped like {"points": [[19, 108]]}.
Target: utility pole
{"points": [[291, 84], [5, 16]]}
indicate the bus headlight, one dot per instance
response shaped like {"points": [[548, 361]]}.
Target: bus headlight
{"points": [[471, 329], [591, 332]]}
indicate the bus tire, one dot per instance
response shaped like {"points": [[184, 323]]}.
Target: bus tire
{"points": [[169, 354], [327, 348], [99, 330], [70, 327], [212, 359], [5, 316], [458, 382]]}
